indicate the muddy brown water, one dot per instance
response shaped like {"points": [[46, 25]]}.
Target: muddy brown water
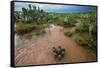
{"points": [[39, 50]]}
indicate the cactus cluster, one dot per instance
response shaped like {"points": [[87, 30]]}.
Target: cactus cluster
{"points": [[58, 52]]}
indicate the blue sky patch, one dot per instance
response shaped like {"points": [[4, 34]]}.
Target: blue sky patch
{"points": [[54, 8]]}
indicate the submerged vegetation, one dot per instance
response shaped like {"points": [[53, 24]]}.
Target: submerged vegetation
{"points": [[33, 21]]}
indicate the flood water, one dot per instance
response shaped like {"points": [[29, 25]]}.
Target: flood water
{"points": [[38, 49]]}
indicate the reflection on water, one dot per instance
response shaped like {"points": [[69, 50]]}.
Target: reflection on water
{"points": [[19, 40]]}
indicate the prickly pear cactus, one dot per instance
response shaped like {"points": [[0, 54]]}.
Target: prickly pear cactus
{"points": [[58, 53]]}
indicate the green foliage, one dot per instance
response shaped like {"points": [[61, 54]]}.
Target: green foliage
{"points": [[30, 14], [86, 41], [81, 40], [94, 27], [83, 28], [22, 28], [69, 34], [67, 22]]}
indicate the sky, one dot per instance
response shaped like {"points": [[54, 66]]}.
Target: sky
{"points": [[54, 8]]}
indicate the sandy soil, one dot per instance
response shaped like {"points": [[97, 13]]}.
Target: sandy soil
{"points": [[40, 51]]}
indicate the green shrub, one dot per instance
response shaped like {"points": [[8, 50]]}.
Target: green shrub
{"points": [[22, 28], [83, 28], [69, 34], [81, 40], [86, 41], [91, 42]]}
